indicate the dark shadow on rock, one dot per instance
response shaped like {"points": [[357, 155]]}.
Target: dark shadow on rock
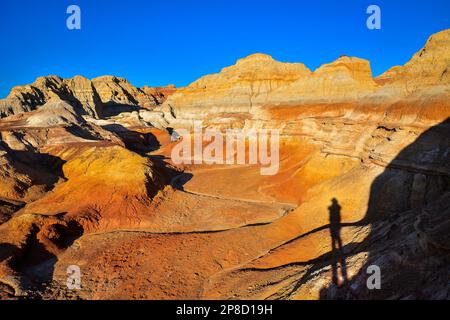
{"points": [[36, 259], [42, 168], [79, 132], [338, 256], [114, 109], [409, 240], [8, 207], [409, 215], [144, 144], [7, 250], [170, 130], [180, 180], [49, 236], [139, 142]]}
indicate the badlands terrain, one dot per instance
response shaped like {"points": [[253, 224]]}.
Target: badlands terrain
{"points": [[87, 179]]}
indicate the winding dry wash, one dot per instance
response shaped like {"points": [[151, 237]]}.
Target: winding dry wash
{"points": [[87, 180]]}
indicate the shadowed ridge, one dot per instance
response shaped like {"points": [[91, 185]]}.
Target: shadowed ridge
{"points": [[409, 239]]}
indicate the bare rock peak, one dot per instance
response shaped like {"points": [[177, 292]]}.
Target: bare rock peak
{"points": [[255, 80], [92, 97], [255, 57]]}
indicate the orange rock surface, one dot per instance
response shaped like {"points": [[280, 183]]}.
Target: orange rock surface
{"points": [[363, 180]]}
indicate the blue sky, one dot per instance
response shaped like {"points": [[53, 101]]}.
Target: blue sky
{"points": [[158, 42]]}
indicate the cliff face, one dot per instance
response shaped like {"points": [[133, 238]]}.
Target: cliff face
{"points": [[258, 82], [235, 89], [345, 79], [364, 180], [428, 67], [100, 97]]}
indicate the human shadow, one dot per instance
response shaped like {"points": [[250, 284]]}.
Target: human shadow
{"points": [[338, 263], [409, 217]]}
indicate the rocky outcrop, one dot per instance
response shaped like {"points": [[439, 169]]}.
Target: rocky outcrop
{"points": [[346, 79], [159, 94], [428, 67], [77, 91], [235, 89], [116, 92], [238, 93], [55, 113], [103, 96]]}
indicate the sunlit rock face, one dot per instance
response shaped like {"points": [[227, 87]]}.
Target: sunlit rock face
{"points": [[238, 93], [428, 67], [100, 97], [345, 79], [87, 178], [236, 89]]}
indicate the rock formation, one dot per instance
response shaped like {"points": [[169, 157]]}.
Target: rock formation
{"points": [[428, 67], [238, 92], [347, 78], [87, 179], [100, 97], [234, 90]]}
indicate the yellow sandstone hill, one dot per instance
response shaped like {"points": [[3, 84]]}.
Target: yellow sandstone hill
{"points": [[237, 92], [235, 89], [428, 67], [345, 79]]}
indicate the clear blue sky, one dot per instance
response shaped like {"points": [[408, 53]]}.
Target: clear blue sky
{"points": [[158, 42]]}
